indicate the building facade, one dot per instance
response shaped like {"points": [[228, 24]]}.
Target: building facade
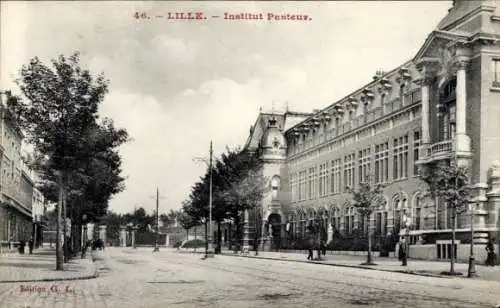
{"points": [[16, 185], [442, 106]]}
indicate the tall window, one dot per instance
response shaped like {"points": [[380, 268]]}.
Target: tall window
{"points": [[323, 177], [416, 145], [335, 176], [302, 185], [400, 157], [496, 72], [418, 213], [364, 157], [378, 223], [349, 220], [310, 186], [382, 162], [349, 170]]}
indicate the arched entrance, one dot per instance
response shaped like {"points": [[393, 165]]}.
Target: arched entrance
{"points": [[274, 230]]}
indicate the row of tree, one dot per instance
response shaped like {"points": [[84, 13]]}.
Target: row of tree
{"points": [[237, 184], [75, 151]]}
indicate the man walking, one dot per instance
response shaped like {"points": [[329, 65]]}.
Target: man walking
{"points": [[490, 249], [403, 251]]}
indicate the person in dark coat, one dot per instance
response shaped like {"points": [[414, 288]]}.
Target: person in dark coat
{"points": [[30, 245], [490, 249], [403, 250], [310, 247]]}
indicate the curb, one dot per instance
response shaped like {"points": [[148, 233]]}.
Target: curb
{"points": [[409, 272]]}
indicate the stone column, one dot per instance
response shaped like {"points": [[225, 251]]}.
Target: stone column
{"points": [[134, 230], [102, 234], [123, 236], [245, 233], [462, 141], [427, 69], [330, 233], [426, 139]]}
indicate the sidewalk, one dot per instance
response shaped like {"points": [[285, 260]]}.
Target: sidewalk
{"points": [[416, 267], [40, 266]]}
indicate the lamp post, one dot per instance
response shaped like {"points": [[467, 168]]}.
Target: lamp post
{"points": [[156, 249], [471, 272], [209, 251]]}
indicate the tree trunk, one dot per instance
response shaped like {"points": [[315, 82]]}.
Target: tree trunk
{"points": [[195, 239], [219, 237], [237, 231], [452, 252], [206, 238], [59, 252], [369, 259]]}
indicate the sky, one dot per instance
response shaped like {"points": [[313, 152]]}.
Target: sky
{"points": [[177, 84]]}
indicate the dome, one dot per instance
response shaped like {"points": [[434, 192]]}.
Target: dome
{"points": [[273, 138]]}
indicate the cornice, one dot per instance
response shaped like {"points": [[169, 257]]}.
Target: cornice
{"points": [[353, 132]]}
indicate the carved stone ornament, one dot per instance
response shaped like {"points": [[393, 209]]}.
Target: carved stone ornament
{"points": [[352, 102]]}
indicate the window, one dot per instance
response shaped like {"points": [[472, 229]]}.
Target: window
{"points": [[311, 191], [349, 170], [302, 185], [400, 158], [382, 162], [418, 213], [416, 145], [335, 177], [496, 72], [293, 184], [349, 220], [378, 223], [323, 177], [364, 165]]}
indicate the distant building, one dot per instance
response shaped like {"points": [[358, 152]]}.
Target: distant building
{"points": [[441, 105]]}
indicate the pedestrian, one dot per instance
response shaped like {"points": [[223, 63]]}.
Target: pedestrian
{"points": [[318, 249], [30, 245], [403, 250], [323, 247], [310, 246], [491, 256]]}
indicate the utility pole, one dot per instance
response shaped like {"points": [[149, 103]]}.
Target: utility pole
{"points": [[157, 206], [210, 252]]}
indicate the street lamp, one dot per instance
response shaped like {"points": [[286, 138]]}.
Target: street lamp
{"points": [[472, 267], [157, 205], [209, 251]]}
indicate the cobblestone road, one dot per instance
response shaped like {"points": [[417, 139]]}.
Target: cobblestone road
{"points": [[137, 278]]}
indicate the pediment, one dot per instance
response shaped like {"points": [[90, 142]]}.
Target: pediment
{"points": [[436, 42]]}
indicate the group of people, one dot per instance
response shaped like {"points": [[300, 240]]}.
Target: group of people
{"points": [[314, 244]]}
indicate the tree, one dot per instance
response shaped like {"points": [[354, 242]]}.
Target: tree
{"points": [[59, 117], [449, 183], [239, 185], [187, 222], [366, 199]]}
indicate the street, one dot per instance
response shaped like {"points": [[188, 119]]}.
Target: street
{"points": [[139, 278]]}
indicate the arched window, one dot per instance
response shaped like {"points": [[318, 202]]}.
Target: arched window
{"points": [[417, 213]]}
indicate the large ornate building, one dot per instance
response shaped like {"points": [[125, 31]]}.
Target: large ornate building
{"points": [[443, 105]]}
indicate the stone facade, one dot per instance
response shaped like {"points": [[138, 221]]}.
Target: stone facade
{"points": [[16, 191], [439, 107]]}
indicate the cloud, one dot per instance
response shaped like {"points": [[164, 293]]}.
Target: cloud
{"points": [[177, 85]]}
